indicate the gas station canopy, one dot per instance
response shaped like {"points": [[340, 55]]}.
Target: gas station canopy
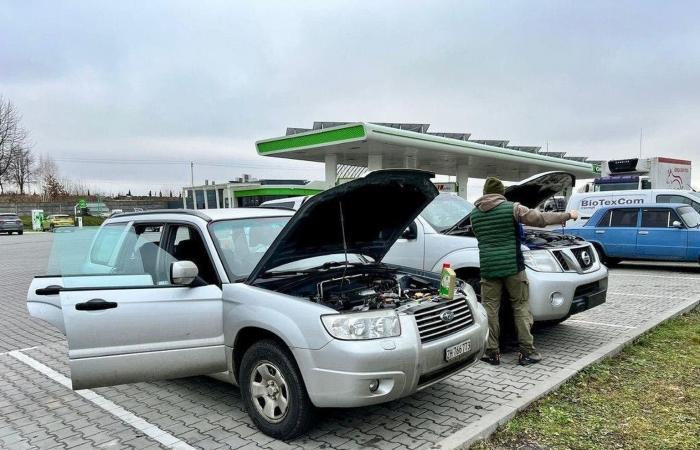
{"points": [[378, 146]]}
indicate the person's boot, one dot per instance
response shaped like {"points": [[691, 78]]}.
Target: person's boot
{"points": [[493, 358], [526, 358]]}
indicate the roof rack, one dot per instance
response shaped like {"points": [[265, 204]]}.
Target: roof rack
{"points": [[190, 212]]}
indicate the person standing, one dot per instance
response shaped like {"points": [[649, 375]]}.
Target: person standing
{"points": [[496, 223]]}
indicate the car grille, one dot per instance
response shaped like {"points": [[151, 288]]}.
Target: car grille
{"points": [[583, 262], [431, 325], [562, 261]]}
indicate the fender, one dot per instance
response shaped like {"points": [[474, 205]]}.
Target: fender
{"points": [[459, 259], [294, 320]]}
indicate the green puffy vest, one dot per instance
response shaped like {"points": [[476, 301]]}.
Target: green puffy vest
{"points": [[499, 241]]}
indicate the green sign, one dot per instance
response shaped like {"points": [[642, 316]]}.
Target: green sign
{"points": [[82, 204], [596, 168]]}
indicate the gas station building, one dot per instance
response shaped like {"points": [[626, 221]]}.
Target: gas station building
{"points": [[351, 148]]}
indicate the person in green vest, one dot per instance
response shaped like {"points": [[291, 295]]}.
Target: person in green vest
{"points": [[496, 223]]}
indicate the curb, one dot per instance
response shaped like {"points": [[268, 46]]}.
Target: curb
{"points": [[488, 424]]}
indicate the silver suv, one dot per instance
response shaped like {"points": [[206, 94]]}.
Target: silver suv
{"points": [[299, 311]]}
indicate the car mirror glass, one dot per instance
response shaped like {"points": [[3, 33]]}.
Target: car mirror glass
{"points": [[676, 224], [183, 273]]}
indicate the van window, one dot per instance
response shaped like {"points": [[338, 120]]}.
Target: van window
{"points": [[658, 218], [673, 198]]}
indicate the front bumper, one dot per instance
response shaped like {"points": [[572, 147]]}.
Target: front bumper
{"points": [[339, 374], [578, 292]]}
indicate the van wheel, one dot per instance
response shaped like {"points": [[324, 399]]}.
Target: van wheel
{"points": [[273, 391], [20, 232]]}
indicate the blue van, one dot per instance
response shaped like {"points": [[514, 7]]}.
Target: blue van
{"points": [[654, 231]]}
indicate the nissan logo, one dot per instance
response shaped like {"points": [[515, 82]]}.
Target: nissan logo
{"points": [[447, 316], [585, 257]]}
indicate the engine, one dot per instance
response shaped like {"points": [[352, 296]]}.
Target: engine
{"points": [[367, 291]]}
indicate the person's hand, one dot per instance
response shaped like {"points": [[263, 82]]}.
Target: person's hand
{"points": [[574, 214]]}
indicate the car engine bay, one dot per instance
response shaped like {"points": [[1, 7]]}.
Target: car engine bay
{"points": [[536, 238], [365, 290]]}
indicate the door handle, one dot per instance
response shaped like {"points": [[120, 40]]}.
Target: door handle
{"points": [[642, 232], [599, 231], [48, 290], [95, 304]]}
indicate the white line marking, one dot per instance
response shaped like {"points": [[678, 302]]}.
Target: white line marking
{"points": [[646, 295], [17, 350], [155, 433], [654, 276], [601, 323]]}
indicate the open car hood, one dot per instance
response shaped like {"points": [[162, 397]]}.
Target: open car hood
{"points": [[372, 211], [533, 191]]}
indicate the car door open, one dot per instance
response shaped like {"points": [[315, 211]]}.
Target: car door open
{"points": [[129, 334]]}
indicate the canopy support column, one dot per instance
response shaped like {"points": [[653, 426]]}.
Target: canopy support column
{"points": [[374, 162], [410, 162], [331, 169], [462, 180]]}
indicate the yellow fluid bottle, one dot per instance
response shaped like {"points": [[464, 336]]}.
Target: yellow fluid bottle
{"points": [[448, 281]]}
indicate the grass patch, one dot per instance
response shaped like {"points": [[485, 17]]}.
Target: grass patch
{"points": [[647, 397]]}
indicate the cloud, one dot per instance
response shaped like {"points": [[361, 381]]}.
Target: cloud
{"points": [[185, 80]]}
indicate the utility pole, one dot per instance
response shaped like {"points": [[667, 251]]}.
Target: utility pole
{"points": [[192, 173]]}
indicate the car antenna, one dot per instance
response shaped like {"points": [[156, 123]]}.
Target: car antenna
{"points": [[345, 242]]}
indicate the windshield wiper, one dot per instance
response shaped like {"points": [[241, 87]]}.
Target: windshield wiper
{"points": [[310, 270]]}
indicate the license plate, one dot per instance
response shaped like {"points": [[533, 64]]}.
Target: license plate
{"points": [[455, 351]]}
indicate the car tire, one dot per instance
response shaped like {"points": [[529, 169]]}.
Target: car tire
{"points": [[20, 232], [274, 392], [610, 262], [52, 228]]}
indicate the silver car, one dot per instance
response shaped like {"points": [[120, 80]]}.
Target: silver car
{"points": [[298, 310], [11, 223]]}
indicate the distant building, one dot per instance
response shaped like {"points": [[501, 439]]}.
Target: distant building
{"points": [[245, 192]]}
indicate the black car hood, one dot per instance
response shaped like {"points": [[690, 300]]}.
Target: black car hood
{"points": [[531, 192], [536, 189], [375, 211]]}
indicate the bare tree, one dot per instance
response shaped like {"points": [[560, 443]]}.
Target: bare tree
{"points": [[21, 171], [12, 137], [48, 178]]}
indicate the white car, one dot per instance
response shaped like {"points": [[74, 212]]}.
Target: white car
{"points": [[298, 310]]}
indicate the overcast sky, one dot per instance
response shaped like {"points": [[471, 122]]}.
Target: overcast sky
{"points": [[179, 81]]}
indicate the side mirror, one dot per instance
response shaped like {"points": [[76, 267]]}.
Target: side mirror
{"points": [[676, 224], [183, 273], [411, 232]]}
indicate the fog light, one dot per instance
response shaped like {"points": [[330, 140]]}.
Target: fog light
{"points": [[556, 299], [373, 385]]}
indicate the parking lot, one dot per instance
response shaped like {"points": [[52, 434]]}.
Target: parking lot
{"points": [[38, 410]]}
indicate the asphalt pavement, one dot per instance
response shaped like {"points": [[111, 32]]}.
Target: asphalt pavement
{"points": [[39, 410]]}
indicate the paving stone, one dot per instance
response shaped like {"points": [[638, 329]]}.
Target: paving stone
{"points": [[36, 412]]}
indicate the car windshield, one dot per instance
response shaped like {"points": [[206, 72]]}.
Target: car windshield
{"points": [[690, 216], [242, 242], [445, 211]]}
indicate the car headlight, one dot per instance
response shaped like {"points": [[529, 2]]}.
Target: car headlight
{"points": [[364, 325], [541, 261]]}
